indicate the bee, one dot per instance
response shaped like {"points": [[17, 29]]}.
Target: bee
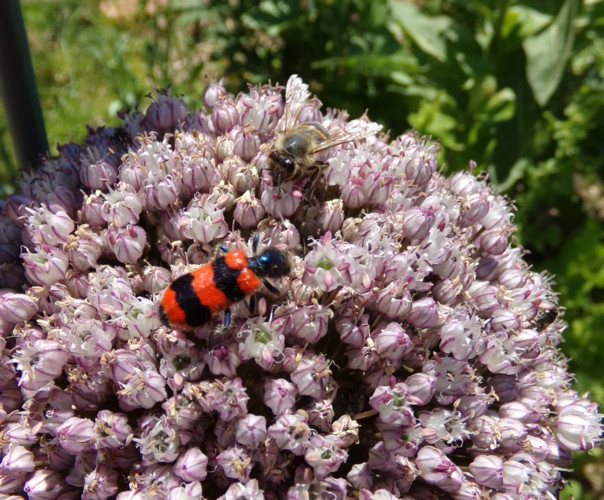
{"points": [[194, 298], [294, 152], [545, 317]]}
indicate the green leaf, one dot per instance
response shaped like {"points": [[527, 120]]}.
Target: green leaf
{"points": [[547, 53], [501, 106], [427, 32], [525, 20]]}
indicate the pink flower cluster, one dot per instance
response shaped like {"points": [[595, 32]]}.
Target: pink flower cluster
{"points": [[412, 354]]}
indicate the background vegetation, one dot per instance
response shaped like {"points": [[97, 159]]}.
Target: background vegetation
{"points": [[516, 86]]}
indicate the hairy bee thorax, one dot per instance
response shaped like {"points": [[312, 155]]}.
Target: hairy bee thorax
{"points": [[293, 154]]}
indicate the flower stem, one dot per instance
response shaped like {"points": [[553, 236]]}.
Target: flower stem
{"points": [[18, 87]]}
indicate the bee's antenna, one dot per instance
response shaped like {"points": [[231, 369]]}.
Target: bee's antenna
{"points": [[255, 243]]}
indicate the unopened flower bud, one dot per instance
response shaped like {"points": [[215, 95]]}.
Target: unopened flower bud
{"points": [[250, 430], [166, 112], [191, 465], [46, 266], [248, 211], [279, 395], [127, 243], [16, 307], [224, 116], [213, 93]]}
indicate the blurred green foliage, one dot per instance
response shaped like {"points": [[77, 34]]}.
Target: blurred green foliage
{"points": [[517, 86]]}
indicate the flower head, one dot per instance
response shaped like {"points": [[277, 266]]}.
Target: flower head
{"points": [[410, 341]]}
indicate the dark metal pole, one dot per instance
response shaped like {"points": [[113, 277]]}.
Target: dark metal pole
{"points": [[18, 87]]}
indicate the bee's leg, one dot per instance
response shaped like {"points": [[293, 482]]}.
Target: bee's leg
{"points": [[252, 304], [227, 318], [270, 287], [255, 243]]}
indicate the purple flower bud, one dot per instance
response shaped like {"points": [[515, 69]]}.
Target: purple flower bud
{"points": [[346, 431], [250, 430], [17, 460], [417, 222], [76, 435], [392, 405], [223, 359], [488, 471], [44, 484], [46, 266], [243, 176], [424, 313], [290, 432], [261, 109], [143, 390], [517, 473], [435, 468], [224, 116], [474, 208], [84, 249], [212, 93], [352, 333], [12, 483], [421, 387], [46, 364], [198, 175], [493, 242], [352, 193], [312, 377], [246, 142], [191, 465], [379, 494], [578, 426], [248, 211], [237, 491], [310, 323], [102, 482], [360, 476], [127, 243], [131, 172], [392, 342], [279, 395], [464, 184], [320, 414], [202, 221], [486, 298], [162, 192], [16, 208], [16, 307], [331, 215], [235, 463], [122, 206], [112, 430], [92, 210], [98, 170], [50, 226], [419, 165], [280, 203], [394, 301], [166, 112]]}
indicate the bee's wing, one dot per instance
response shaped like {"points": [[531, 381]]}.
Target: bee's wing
{"points": [[296, 96], [353, 131]]}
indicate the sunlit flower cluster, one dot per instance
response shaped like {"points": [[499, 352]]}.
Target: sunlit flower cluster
{"points": [[412, 353]]}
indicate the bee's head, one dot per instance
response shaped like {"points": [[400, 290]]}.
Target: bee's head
{"points": [[278, 160]]}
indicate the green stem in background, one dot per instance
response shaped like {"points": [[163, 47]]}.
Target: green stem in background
{"points": [[501, 12], [18, 87]]}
